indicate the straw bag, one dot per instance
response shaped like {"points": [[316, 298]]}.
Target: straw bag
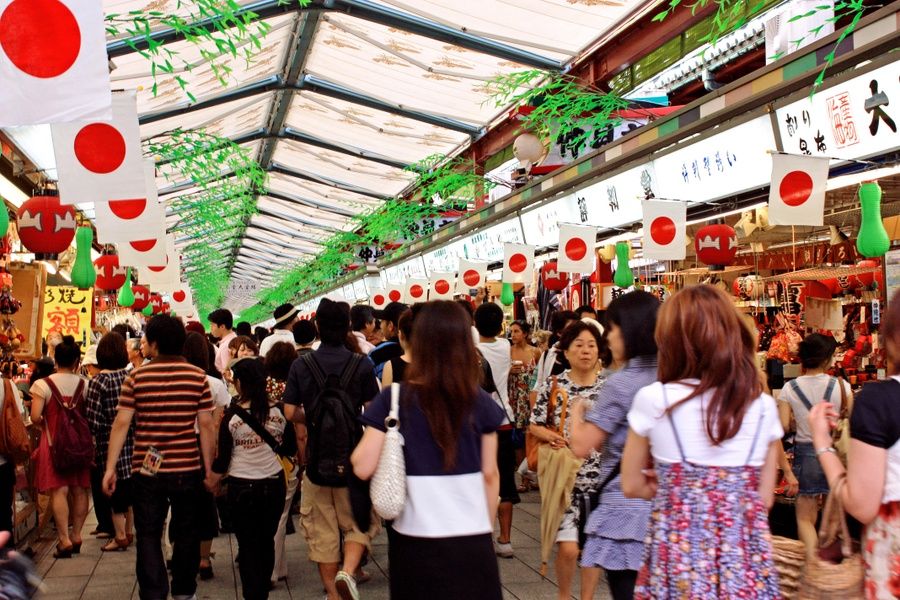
{"points": [[840, 436], [532, 442], [789, 556], [388, 490], [836, 570]]}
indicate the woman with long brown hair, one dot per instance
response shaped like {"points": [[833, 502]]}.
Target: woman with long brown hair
{"points": [[713, 436], [872, 490], [441, 546]]}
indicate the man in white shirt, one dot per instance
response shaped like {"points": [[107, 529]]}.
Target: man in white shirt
{"points": [[282, 331], [220, 323], [496, 351], [362, 324]]}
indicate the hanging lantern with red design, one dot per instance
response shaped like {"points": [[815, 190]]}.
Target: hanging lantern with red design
{"points": [[716, 246], [110, 274], [552, 278], [141, 297], [46, 227], [156, 302]]}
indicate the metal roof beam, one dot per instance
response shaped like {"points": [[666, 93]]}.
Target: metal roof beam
{"points": [[257, 88], [308, 240], [290, 133], [347, 187], [310, 203]]}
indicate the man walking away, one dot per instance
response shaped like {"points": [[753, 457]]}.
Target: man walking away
{"points": [[164, 398], [282, 331], [220, 323], [390, 347], [327, 389]]}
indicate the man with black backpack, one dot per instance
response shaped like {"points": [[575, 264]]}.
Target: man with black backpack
{"points": [[326, 390]]}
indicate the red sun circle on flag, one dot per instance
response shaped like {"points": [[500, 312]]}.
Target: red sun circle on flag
{"points": [[379, 299], [40, 37], [517, 262], [662, 230], [442, 286], [160, 269], [394, 295], [416, 291], [143, 245], [100, 148], [471, 277], [796, 188], [128, 209], [179, 296], [575, 249]]}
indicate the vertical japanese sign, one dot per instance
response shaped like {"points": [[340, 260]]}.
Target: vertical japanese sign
{"points": [[69, 311]]}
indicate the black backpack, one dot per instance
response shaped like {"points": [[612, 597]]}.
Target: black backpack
{"points": [[332, 424]]}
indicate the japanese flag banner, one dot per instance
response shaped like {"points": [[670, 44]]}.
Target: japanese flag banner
{"points": [[416, 290], [665, 229], [167, 276], [53, 64], [100, 161], [472, 275], [441, 286], [395, 293], [182, 300], [148, 246], [797, 193], [518, 263], [576, 248], [378, 298]]}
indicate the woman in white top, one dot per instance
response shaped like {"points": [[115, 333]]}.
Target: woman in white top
{"points": [[872, 490], [713, 437], [797, 399]]}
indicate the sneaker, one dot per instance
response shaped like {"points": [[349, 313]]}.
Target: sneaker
{"points": [[503, 550], [346, 586]]}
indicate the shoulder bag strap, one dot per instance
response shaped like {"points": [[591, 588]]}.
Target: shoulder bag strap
{"points": [[551, 402], [350, 369], [315, 369], [257, 427], [672, 423], [829, 389], [393, 418], [762, 414], [844, 408], [561, 426], [795, 387]]}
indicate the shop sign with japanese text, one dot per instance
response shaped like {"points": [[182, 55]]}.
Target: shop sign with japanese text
{"points": [[68, 311]]}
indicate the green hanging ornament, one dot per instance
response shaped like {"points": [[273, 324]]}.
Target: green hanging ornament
{"points": [[148, 311], [83, 272], [623, 276], [4, 220], [126, 294], [506, 294], [873, 240]]}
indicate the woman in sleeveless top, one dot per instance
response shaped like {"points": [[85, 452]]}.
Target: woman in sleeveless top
{"points": [[712, 435], [872, 492], [45, 411], [395, 368]]}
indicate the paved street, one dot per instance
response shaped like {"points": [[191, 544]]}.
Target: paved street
{"points": [[97, 575]]}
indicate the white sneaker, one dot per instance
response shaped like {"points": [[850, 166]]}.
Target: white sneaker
{"points": [[503, 550], [346, 586]]}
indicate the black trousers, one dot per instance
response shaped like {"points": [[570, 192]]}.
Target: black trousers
{"points": [[102, 502], [256, 506], [7, 490], [152, 498], [621, 584]]}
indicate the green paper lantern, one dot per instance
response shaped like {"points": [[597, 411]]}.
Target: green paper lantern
{"points": [[873, 240], [4, 220], [623, 277], [126, 294], [148, 311], [83, 272], [506, 294]]}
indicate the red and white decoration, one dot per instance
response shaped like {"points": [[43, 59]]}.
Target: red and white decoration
{"points": [[518, 263], [165, 277], [148, 246], [45, 226], [110, 273], [101, 160], [576, 248], [182, 301], [416, 290], [551, 277], [53, 62], [472, 275], [797, 193], [141, 297], [441, 286], [378, 298], [665, 230], [395, 293], [716, 245]]}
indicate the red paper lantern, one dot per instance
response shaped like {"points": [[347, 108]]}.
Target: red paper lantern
{"points": [[46, 227], [552, 279], [716, 245], [110, 275], [866, 280], [156, 302], [816, 289], [141, 297]]}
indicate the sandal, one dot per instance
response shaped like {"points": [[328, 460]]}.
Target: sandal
{"points": [[76, 547], [206, 572], [115, 545], [130, 538], [63, 552]]}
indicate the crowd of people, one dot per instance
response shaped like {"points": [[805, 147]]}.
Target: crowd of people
{"points": [[648, 431]]}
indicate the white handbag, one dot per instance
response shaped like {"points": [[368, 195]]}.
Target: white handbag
{"points": [[388, 489]]}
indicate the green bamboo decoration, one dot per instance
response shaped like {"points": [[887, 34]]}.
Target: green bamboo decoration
{"points": [[126, 294], [4, 220], [623, 276], [148, 311], [506, 294], [873, 240], [83, 272]]}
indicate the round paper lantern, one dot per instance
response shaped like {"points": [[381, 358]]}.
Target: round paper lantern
{"points": [[873, 240], [110, 275], [716, 245], [623, 277], [753, 286], [816, 289], [141, 297], [737, 287], [83, 273], [46, 227], [866, 280], [126, 294], [156, 303], [528, 149], [551, 277]]}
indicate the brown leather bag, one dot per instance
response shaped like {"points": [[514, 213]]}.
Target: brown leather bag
{"points": [[533, 443], [14, 440]]}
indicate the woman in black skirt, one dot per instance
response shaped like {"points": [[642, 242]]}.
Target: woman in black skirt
{"points": [[441, 545]]}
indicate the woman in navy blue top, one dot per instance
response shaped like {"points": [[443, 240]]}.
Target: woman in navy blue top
{"points": [[450, 445]]}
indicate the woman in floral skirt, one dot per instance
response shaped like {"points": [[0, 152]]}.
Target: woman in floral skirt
{"points": [[713, 436]]}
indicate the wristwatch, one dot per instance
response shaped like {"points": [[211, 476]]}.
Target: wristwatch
{"points": [[821, 451]]}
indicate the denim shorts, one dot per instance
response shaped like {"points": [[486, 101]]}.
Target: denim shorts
{"points": [[809, 471]]}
